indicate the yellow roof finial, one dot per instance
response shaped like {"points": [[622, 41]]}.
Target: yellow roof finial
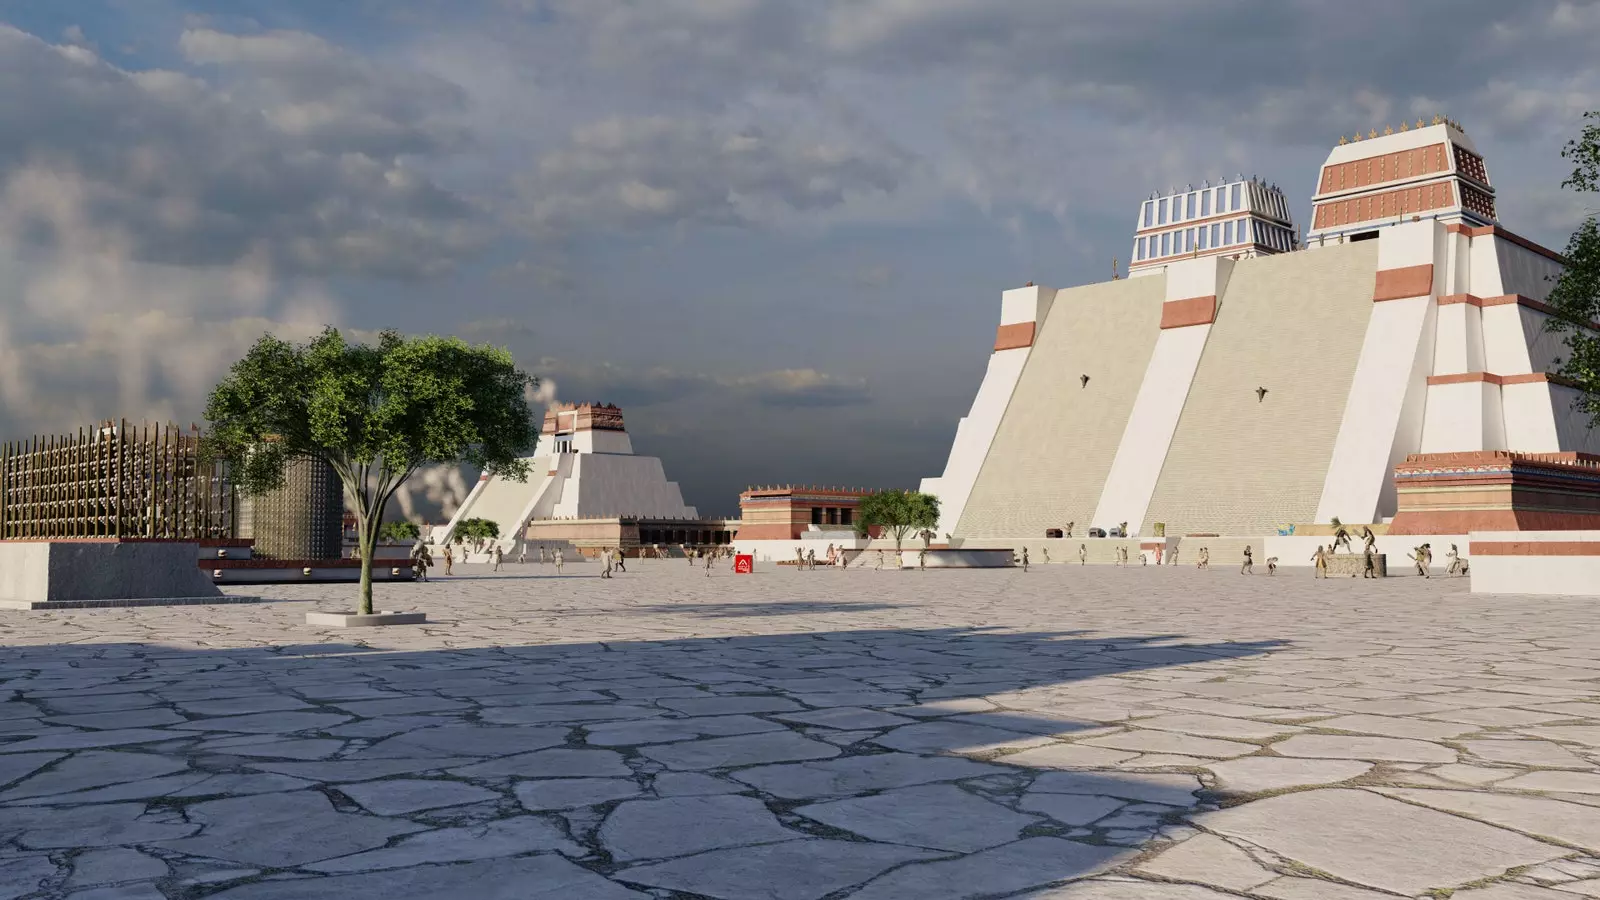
{"points": [[1438, 119], [1388, 129], [1343, 140], [1404, 126], [1373, 133], [1357, 137], [1420, 123]]}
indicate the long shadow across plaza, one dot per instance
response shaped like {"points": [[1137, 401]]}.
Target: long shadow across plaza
{"points": [[752, 712]]}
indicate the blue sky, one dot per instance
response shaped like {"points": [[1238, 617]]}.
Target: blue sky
{"points": [[775, 232]]}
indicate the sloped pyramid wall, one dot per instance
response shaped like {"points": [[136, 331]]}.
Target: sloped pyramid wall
{"points": [[1057, 440], [1293, 324]]}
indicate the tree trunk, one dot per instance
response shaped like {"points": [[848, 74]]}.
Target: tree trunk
{"points": [[365, 538]]}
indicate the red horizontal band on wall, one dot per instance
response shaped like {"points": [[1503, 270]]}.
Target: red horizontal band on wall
{"points": [[1491, 378], [1535, 548], [1189, 311], [1010, 337], [1504, 300], [1497, 231], [1403, 283]]}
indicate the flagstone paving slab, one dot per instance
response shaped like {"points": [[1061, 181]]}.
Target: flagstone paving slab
{"points": [[1372, 840], [938, 817], [794, 870], [796, 735], [658, 829]]}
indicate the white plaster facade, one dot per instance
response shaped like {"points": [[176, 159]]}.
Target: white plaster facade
{"points": [[1453, 356], [975, 432], [1550, 563]]}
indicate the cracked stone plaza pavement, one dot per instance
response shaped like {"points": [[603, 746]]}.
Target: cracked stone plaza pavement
{"points": [[1097, 733]]}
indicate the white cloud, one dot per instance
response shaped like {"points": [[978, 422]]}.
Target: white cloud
{"points": [[640, 172], [192, 173]]}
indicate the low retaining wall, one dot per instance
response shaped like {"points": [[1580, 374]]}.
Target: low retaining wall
{"points": [[958, 559], [87, 570], [1536, 562], [282, 571]]}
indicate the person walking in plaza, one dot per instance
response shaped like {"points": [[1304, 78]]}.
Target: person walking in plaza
{"points": [[1455, 561], [1419, 555], [1174, 556], [622, 560], [1045, 552], [1320, 560], [421, 559], [1024, 559], [1083, 554], [559, 559], [1272, 565], [498, 556], [1249, 565], [449, 560], [922, 559], [1205, 558], [811, 558], [1369, 562], [541, 554], [522, 554], [606, 572], [879, 566]]}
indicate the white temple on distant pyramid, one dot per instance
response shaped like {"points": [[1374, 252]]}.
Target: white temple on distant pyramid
{"points": [[587, 490]]}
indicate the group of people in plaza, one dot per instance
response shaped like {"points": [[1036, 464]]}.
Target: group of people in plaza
{"points": [[838, 557], [614, 558]]}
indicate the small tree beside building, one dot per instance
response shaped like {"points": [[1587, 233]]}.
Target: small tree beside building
{"points": [[898, 512], [1576, 295], [476, 532], [375, 413], [399, 532]]}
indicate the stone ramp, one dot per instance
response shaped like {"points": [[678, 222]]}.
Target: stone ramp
{"points": [[1049, 460], [1293, 324]]}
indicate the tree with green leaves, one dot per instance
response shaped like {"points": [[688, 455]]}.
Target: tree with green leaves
{"points": [[898, 512], [1576, 295], [400, 531], [375, 413], [476, 531]]}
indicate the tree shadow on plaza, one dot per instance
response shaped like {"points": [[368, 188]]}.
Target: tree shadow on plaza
{"points": [[950, 692], [770, 608]]}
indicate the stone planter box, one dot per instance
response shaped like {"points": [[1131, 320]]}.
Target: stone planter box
{"points": [[1347, 564], [356, 620]]}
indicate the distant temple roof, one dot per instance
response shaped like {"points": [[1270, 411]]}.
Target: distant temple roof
{"points": [[1237, 217], [564, 418], [1427, 171]]}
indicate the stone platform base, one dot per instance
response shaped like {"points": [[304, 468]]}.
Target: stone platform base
{"points": [[1345, 565], [1536, 562], [88, 570], [356, 620]]}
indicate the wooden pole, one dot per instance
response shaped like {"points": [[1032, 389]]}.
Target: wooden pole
{"points": [[5, 492]]}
